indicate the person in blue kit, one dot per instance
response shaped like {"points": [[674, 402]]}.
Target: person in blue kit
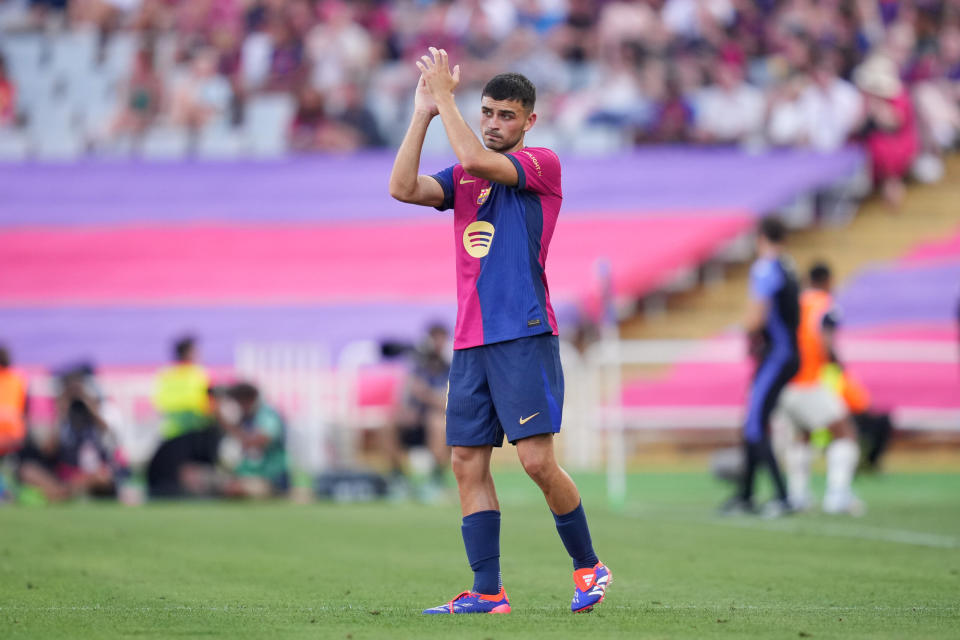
{"points": [[772, 320], [505, 377]]}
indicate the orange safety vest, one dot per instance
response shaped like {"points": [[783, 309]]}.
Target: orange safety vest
{"points": [[13, 400], [814, 305]]}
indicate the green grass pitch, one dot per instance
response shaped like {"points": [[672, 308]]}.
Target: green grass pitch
{"points": [[365, 571]]}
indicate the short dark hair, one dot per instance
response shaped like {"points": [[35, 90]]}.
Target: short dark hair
{"points": [[512, 86], [772, 229], [820, 274], [182, 347], [4, 357], [244, 392]]}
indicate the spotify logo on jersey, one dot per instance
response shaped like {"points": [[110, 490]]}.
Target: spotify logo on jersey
{"points": [[477, 238]]}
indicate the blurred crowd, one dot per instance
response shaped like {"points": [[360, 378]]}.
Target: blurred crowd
{"points": [[753, 72], [212, 440], [209, 436]]}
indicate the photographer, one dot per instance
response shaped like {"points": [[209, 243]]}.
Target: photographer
{"points": [[240, 454], [77, 457], [418, 414]]}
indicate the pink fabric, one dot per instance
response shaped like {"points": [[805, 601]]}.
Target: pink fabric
{"points": [[542, 175], [947, 249], [325, 263], [539, 173], [891, 384]]}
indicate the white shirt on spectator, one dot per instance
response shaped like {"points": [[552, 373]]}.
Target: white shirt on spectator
{"points": [[830, 113], [730, 115], [682, 17]]}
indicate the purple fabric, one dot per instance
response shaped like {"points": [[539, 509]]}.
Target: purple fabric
{"points": [[900, 294], [681, 181], [688, 180], [142, 336]]}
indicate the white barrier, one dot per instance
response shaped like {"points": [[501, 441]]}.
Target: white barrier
{"points": [[324, 414]]}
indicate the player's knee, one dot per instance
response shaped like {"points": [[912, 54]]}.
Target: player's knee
{"points": [[537, 465], [467, 464]]}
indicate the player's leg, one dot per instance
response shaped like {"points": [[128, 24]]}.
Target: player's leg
{"points": [[526, 382], [756, 442], [798, 453], [472, 432], [843, 455], [798, 459], [591, 577], [783, 372]]}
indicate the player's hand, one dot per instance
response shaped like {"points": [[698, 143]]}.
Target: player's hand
{"points": [[435, 70], [423, 102]]}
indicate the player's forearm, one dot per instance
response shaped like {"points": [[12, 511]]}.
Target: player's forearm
{"points": [[467, 147], [756, 317], [406, 166]]}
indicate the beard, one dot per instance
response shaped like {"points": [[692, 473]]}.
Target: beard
{"points": [[500, 144]]}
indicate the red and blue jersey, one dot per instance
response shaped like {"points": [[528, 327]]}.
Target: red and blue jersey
{"points": [[502, 235]]}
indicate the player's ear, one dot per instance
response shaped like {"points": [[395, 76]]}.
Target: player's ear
{"points": [[530, 120]]}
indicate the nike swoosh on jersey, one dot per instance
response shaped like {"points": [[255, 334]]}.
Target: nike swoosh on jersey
{"points": [[462, 181], [528, 418]]}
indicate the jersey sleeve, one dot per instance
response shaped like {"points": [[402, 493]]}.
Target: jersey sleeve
{"points": [[538, 170], [445, 178], [765, 279]]}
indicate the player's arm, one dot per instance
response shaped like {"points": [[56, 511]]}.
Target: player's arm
{"points": [[828, 332], [756, 318], [406, 183], [476, 160]]}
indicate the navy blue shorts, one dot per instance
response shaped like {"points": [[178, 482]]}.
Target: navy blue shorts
{"points": [[513, 388]]}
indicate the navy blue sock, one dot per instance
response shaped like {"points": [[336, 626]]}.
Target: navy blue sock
{"points": [[575, 534], [481, 537]]}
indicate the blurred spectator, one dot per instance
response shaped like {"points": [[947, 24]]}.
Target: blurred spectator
{"points": [[672, 114], [77, 458], [659, 71], [832, 104], [241, 455], [418, 418], [181, 392], [353, 114], [731, 112], [287, 67], [340, 50], [255, 450], [8, 97], [201, 96], [141, 98], [889, 129], [13, 405], [313, 129], [874, 428], [44, 11], [818, 110], [185, 465]]}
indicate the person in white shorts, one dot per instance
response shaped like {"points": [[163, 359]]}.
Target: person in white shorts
{"points": [[808, 404]]}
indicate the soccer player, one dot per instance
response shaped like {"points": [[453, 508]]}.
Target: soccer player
{"points": [[771, 325], [505, 377], [809, 404]]}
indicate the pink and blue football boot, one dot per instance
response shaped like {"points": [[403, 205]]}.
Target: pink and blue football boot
{"points": [[470, 602], [590, 587]]}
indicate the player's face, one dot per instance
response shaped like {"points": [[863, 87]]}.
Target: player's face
{"points": [[503, 123]]}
